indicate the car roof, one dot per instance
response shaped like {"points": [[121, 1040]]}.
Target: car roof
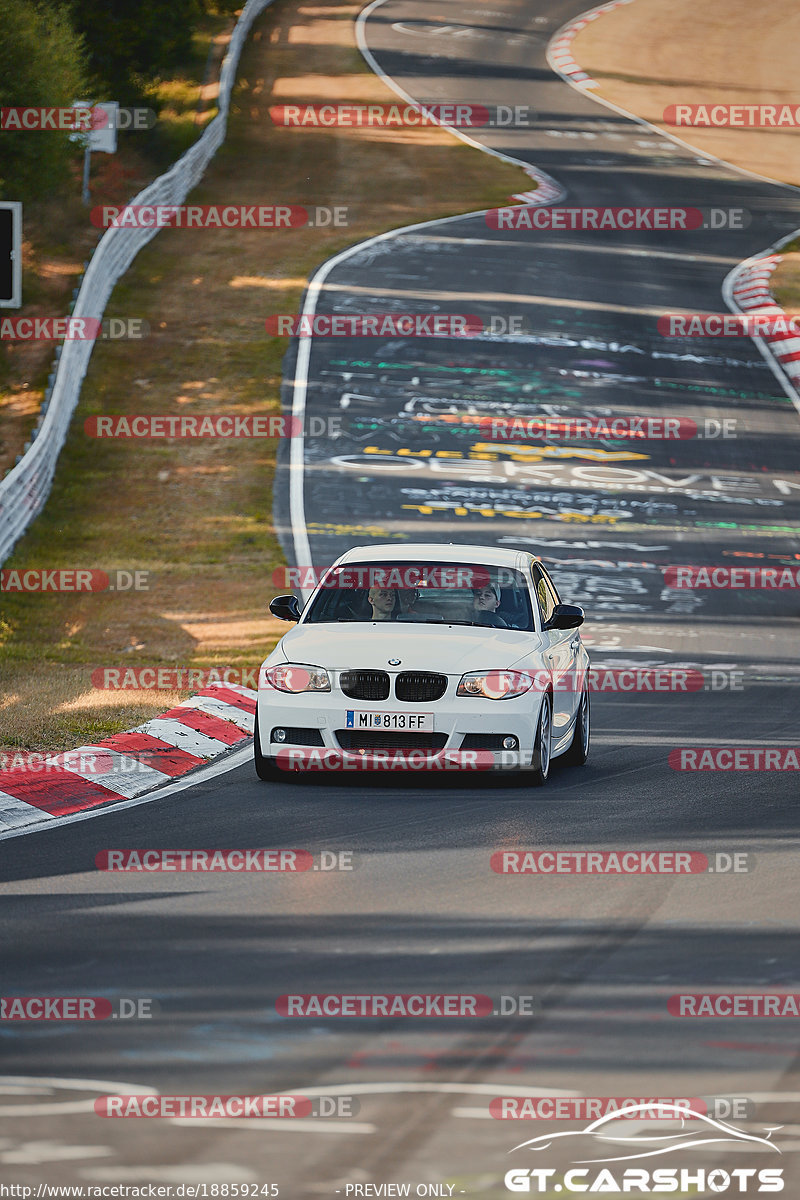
{"points": [[490, 556]]}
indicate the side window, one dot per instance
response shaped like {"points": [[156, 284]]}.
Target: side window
{"points": [[543, 593], [551, 587]]}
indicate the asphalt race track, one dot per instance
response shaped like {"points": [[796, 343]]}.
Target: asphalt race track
{"points": [[422, 910]]}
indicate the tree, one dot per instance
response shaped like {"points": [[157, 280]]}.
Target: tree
{"points": [[42, 63], [132, 42]]}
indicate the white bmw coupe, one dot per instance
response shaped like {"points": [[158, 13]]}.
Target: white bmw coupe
{"points": [[425, 656]]}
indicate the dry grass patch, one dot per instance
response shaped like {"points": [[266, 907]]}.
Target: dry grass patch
{"points": [[785, 282], [649, 55], [197, 514]]}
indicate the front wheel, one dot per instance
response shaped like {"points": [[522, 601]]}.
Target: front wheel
{"points": [[266, 768], [541, 750], [578, 752]]}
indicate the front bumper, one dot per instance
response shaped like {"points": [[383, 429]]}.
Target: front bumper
{"points": [[316, 726]]}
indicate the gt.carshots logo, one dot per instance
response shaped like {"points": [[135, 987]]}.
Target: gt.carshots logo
{"points": [[698, 1128], [681, 1180]]}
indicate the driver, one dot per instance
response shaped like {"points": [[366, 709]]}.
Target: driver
{"points": [[485, 600], [382, 601]]}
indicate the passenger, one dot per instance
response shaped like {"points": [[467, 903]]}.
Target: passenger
{"points": [[408, 601]]}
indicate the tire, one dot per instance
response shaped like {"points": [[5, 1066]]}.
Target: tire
{"points": [[266, 768], [578, 752], [537, 777]]}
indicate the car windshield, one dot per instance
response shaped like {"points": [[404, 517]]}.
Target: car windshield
{"points": [[421, 593]]}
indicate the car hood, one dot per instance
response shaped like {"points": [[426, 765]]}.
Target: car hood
{"points": [[450, 649]]}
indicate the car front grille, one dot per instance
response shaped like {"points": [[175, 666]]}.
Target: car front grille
{"points": [[365, 685], [360, 739], [420, 687]]}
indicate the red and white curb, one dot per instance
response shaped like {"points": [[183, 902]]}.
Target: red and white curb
{"points": [[547, 191], [747, 290], [128, 764], [751, 293], [559, 51]]}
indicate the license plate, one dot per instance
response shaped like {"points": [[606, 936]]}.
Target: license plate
{"points": [[389, 720]]}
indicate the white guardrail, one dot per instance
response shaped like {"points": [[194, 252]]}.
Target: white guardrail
{"points": [[24, 490]]}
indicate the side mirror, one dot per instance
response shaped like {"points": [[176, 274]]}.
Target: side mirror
{"points": [[286, 608], [565, 616]]}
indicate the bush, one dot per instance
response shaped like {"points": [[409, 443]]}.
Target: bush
{"points": [[42, 62]]}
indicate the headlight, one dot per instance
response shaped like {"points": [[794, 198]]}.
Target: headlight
{"points": [[296, 678], [495, 685]]}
